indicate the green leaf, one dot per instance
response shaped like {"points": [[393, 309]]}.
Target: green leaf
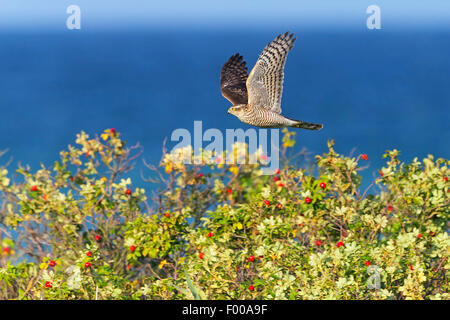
{"points": [[197, 293]]}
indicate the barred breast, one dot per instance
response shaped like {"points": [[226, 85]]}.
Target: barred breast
{"points": [[264, 118]]}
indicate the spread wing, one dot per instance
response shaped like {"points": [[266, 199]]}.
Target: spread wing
{"points": [[265, 83], [233, 77]]}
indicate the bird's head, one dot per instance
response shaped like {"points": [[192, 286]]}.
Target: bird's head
{"points": [[237, 109]]}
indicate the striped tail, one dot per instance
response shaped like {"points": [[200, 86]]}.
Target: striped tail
{"points": [[307, 125]]}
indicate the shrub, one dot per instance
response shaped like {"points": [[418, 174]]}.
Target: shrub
{"points": [[81, 230]]}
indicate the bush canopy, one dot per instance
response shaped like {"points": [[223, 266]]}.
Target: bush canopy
{"points": [[81, 230]]}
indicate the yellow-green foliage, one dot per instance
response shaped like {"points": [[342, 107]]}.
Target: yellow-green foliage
{"points": [[82, 231]]}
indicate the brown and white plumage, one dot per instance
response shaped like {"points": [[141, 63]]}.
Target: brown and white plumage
{"points": [[233, 76], [256, 98]]}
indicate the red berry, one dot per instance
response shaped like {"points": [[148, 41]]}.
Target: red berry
{"points": [[87, 153], [229, 191], [339, 244], [200, 175], [323, 185], [87, 265], [267, 202], [275, 179], [132, 248], [112, 130], [307, 200], [411, 267], [6, 249], [251, 287], [390, 208], [419, 236], [367, 263], [445, 179], [279, 206], [200, 255], [381, 173], [89, 254], [318, 242], [52, 263], [33, 188], [251, 258], [277, 171], [98, 238], [48, 284], [167, 215], [128, 192], [364, 157], [210, 234]]}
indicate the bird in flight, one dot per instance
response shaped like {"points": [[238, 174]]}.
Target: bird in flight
{"points": [[256, 98]]}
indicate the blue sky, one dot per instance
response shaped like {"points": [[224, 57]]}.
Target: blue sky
{"points": [[220, 14]]}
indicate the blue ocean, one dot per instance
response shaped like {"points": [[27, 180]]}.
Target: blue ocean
{"points": [[373, 90]]}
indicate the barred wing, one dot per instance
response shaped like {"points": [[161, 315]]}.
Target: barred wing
{"points": [[233, 77], [265, 83]]}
